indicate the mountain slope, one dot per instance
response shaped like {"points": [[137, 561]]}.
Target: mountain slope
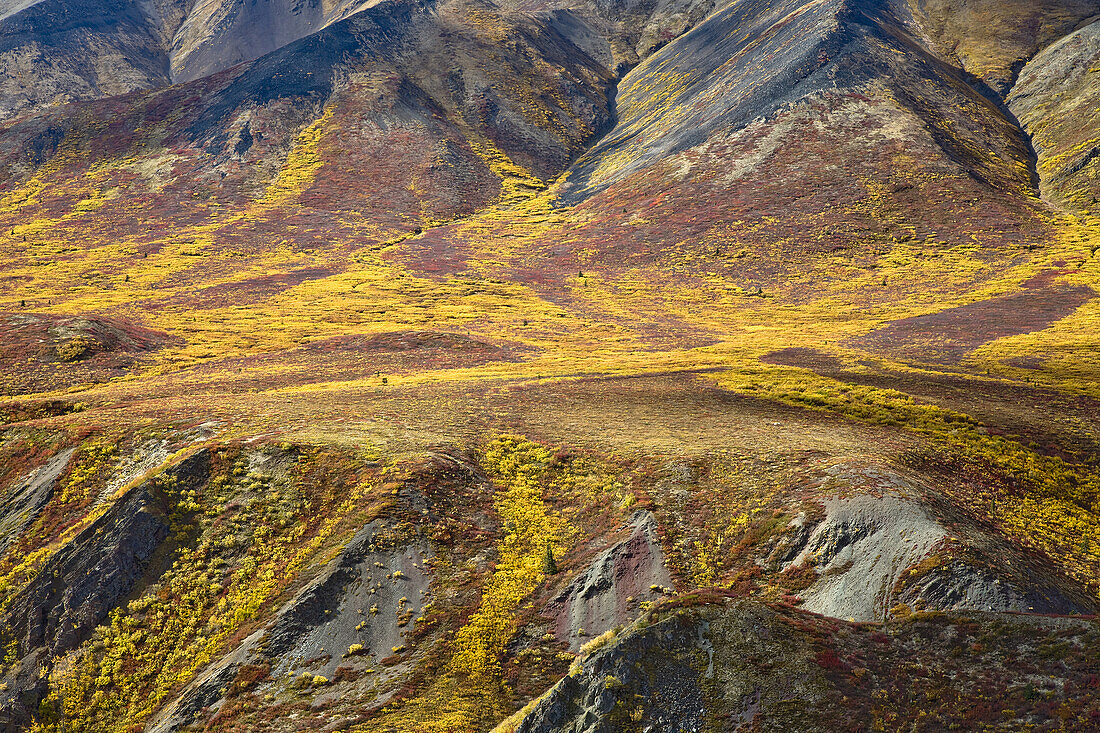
{"points": [[56, 51], [768, 669], [993, 39], [424, 365], [1056, 99], [748, 61], [217, 35]]}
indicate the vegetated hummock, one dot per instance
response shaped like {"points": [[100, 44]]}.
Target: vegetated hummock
{"points": [[445, 366]]}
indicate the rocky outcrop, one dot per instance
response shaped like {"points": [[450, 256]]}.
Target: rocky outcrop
{"points": [[83, 581], [609, 592], [350, 616], [891, 545], [861, 550], [367, 597], [654, 671], [957, 584], [740, 665], [27, 499]]}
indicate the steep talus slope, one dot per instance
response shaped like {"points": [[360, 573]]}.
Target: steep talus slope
{"points": [[378, 72], [747, 666], [55, 51], [386, 60], [751, 59], [825, 129], [1057, 98]]}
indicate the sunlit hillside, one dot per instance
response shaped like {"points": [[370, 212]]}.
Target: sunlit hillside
{"points": [[436, 365]]}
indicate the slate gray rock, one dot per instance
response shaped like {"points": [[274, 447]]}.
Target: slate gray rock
{"points": [[82, 582]]}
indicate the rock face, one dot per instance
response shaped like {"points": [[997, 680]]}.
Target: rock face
{"points": [[609, 592], [861, 550], [1057, 99], [987, 585], [82, 582], [366, 598], [874, 550], [740, 665], [27, 499]]}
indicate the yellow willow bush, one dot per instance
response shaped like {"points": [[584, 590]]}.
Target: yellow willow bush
{"points": [[471, 694], [1059, 528], [518, 465], [93, 457], [1059, 511], [301, 164]]}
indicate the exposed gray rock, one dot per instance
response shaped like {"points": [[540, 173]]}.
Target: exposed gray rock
{"points": [[748, 60], [145, 458], [26, 501], [368, 595], [78, 587], [609, 592], [861, 550], [658, 670], [883, 542], [961, 585]]}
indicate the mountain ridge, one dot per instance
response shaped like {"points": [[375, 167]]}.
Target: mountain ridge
{"points": [[471, 366]]}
